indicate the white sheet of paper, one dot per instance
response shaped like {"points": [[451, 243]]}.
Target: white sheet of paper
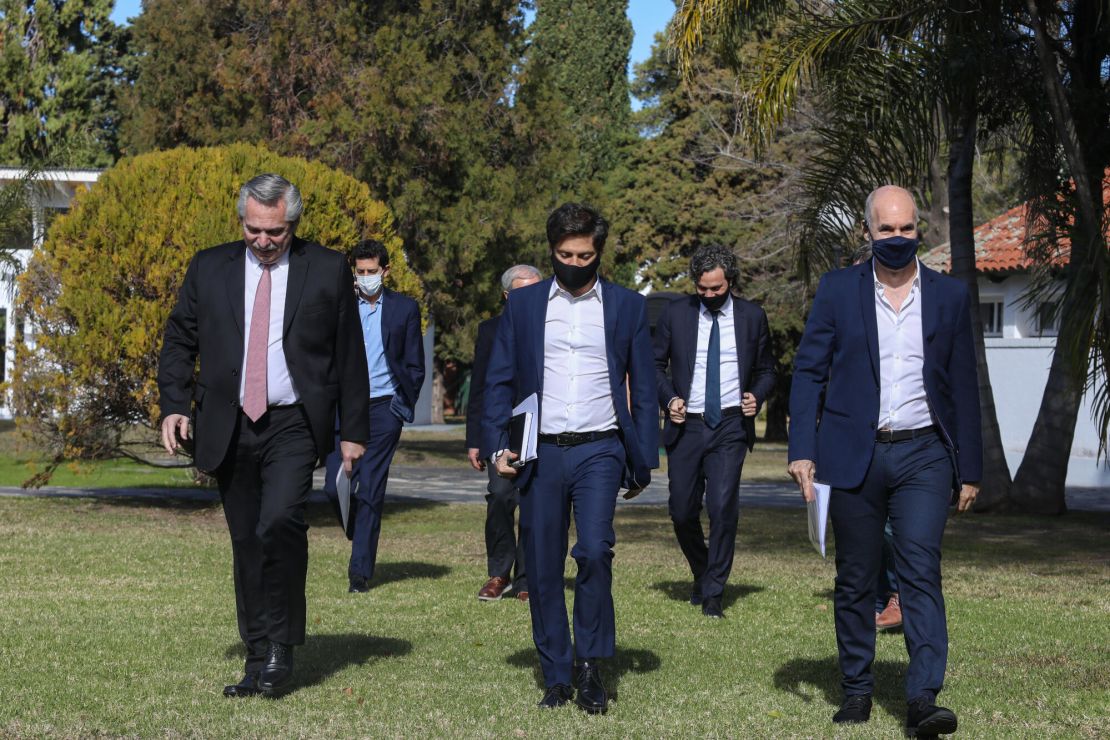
{"points": [[530, 447], [818, 511], [343, 490]]}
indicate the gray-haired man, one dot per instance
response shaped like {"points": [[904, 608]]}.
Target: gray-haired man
{"points": [[274, 321], [504, 550]]}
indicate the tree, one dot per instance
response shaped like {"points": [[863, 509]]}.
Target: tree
{"points": [[60, 73], [99, 290], [693, 179]]}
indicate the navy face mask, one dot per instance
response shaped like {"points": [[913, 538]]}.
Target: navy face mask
{"points": [[894, 252]]}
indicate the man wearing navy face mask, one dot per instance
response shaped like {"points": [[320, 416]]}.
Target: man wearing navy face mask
{"points": [[395, 358], [888, 343]]}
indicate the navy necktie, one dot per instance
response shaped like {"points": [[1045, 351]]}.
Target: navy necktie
{"points": [[713, 376]]}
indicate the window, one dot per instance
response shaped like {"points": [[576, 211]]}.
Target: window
{"points": [[990, 312]]}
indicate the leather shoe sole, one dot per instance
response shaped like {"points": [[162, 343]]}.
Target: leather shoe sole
{"points": [[940, 722], [246, 687]]}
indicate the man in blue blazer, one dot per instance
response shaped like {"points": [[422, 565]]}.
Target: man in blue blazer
{"points": [[716, 347], [888, 344], [582, 346], [395, 358]]}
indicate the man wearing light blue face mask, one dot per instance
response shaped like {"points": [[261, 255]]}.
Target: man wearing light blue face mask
{"points": [[395, 359]]}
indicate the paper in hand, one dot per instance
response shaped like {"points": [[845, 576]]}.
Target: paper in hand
{"points": [[818, 510], [343, 491]]}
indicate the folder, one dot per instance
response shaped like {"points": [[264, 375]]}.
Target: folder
{"points": [[524, 431], [344, 487], [818, 515]]}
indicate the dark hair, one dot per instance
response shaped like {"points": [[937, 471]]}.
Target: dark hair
{"points": [[576, 219], [712, 256], [370, 249]]}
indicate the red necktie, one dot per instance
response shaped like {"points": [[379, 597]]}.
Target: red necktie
{"points": [[255, 398]]}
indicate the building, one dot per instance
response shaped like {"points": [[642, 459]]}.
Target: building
{"points": [[1020, 337]]}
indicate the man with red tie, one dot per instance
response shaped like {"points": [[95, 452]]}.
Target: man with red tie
{"points": [[274, 323]]}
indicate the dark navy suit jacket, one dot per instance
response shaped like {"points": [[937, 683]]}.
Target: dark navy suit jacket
{"points": [[516, 371], [404, 350], [487, 330], [676, 346], [839, 356]]}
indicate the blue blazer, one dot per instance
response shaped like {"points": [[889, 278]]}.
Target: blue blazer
{"points": [[676, 349], [839, 357], [404, 351], [515, 371]]}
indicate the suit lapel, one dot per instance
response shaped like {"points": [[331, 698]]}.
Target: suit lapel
{"points": [[538, 315], [930, 309], [385, 317], [610, 316], [740, 325], [867, 307], [298, 269], [690, 337], [236, 286]]}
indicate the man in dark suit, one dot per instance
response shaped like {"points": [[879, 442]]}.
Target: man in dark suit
{"points": [[504, 549], [888, 343], [274, 324], [717, 348], [390, 333], [582, 346]]}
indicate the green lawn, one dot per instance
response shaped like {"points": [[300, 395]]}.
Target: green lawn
{"points": [[118, 619]]}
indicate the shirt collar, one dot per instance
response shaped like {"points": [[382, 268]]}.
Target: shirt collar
{"points": [[725, 310], [879, 287], [362, 300], [593, 292], [282, 261]]}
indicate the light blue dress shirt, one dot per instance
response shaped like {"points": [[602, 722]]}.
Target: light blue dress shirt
{"points": [[381, 380]]}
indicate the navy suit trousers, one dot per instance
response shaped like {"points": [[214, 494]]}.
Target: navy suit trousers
{"points": [[911, 482], [372, 474], [586, 479], [706, 463]]}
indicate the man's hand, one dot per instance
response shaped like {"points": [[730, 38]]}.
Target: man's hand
{"points": [[351, 452], [504, 469], [968, 492], [676, 410], [476, 462], [802, 471], [748, 404], [173, 426]]}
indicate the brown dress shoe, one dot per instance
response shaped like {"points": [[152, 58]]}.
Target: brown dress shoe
{"points": [[494, 589], [522, 595], [891, 616]]}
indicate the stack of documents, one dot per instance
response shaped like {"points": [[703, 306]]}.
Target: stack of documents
{"points": [[818, 516]]}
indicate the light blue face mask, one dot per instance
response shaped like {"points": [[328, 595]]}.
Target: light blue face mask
{"points": [[370, 285]]}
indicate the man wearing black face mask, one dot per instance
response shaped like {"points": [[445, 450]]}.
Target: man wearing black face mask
{"points": [[717, 349], [581, 345], [888, 343]]}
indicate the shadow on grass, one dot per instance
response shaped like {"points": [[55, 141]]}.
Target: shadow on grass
{"points": [[626, 660], [322, 656], [680, 591], [407, 570], [326, 513], [823, 674]]}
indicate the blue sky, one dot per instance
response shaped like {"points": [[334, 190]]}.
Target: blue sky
{"points": [[648, 17]]}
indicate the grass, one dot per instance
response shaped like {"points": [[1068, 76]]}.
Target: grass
{"points": [[119, 620]]}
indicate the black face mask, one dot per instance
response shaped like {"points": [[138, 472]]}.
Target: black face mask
{"points": [[572, 277], [894, 252], [714, 302]]}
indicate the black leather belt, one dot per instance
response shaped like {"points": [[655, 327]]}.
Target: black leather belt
{"points": [[570, 439], [730, 411], [903, 435]]}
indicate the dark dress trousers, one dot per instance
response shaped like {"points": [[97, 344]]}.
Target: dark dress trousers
{"points": [[403, 347], [504, 550], [911, 481], [585, 478], [703, 462], [264, 468]]}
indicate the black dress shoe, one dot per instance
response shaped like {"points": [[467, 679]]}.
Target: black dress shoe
{"points": [[711, 608], [855, 710], [278, 671], [358, 585], [556, 696], [246, 687], [591, 696], [695, 594], [926, 719]]}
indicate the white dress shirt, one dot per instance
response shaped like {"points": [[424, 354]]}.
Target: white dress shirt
{"points": [[577, 396], [279, 386], [902, 400], [730, 365]]}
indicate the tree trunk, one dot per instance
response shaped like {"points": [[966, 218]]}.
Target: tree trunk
{"points": [[995, 485], [778, 404], [939, 232], [437, 392]]}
